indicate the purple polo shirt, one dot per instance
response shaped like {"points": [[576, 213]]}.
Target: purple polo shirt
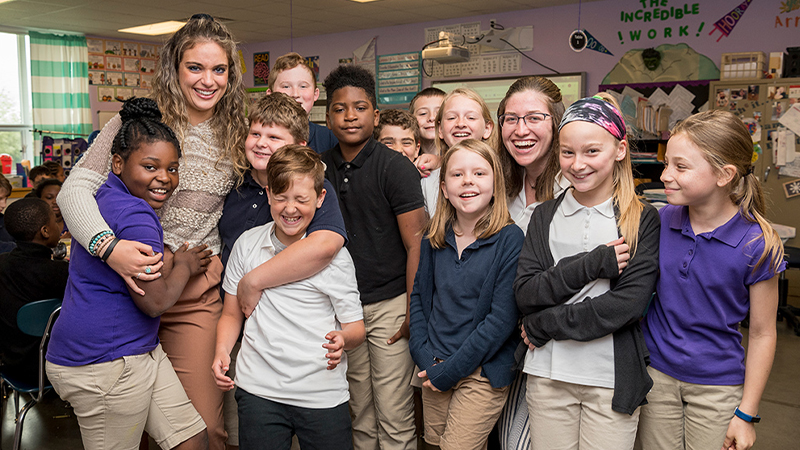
{"points": [[692, 327], [99, 321]]}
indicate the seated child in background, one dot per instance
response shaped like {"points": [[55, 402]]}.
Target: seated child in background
{"points": [[291, 75], [104, 356], [384, 214], [6, 240], [48, 190], [55, 170], [399, 131], [283, 387], [36, 176], [27, 274]]}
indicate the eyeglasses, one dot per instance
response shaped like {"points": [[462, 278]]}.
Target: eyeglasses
{"points": [[510, 120]]}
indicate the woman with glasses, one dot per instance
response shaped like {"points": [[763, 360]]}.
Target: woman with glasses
{"points": [[528, 117]]}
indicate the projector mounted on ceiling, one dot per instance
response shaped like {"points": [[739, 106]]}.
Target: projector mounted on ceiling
{"points": [[444, 55], [447, 51]]}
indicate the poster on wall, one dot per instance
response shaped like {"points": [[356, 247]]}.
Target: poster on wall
{"points": [[147, 51], [94, 46], [146, 81], [97, 77], [313, 63], [261, 68], [96, 62], [105, 94], [113, 48], [113, 63], [115, 78], [123, 94], [148, 66], [131, 65], [132, 79], [399, 78], [130, 49]]}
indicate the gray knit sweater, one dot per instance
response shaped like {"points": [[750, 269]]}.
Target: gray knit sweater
{"points": [[190, 215]]}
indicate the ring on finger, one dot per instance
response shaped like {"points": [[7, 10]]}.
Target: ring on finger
{"points": [[138, 275], [147, 270]]}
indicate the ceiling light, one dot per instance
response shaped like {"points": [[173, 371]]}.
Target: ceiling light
{"points": [[363, 1], [155, 29]]}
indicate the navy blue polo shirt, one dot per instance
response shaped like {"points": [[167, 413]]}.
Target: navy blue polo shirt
{"points": [[374, 188], [247, 207], [320, 139]]}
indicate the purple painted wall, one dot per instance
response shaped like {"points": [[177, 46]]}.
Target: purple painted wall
{"points": [[756, 30], [762, 27]]}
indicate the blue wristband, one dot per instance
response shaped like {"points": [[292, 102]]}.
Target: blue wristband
{"points": [[746, 417]]}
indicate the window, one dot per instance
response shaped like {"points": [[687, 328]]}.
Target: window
{"points": [[16, 137]]}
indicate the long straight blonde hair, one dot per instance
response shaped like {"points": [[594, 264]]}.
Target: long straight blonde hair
{"points": [[626, 201], [441, 146], [496, 216]]}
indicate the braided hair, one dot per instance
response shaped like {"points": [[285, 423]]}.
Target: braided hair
{"points": [[141, 124]]}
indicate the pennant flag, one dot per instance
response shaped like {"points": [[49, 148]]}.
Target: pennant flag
{"points": [[726, 24], [593, 44]]}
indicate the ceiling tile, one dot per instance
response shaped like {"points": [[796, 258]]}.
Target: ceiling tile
{"points": [[261, 20]]}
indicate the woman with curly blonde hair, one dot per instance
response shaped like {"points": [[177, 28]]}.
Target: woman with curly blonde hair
{"points": [[198, 87]]}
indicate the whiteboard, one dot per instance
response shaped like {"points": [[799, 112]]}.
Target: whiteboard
{"points": [[572, 85]]}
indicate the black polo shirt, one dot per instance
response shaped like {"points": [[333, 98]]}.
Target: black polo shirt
{"points": [[374, 188], [27, 274]]}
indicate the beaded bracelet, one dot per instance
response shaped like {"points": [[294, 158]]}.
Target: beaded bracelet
{"points": [[101, 244], [110, 248], [95, 240]]}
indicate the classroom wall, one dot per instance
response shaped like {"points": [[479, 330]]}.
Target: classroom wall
{"points": [[762, 27]]}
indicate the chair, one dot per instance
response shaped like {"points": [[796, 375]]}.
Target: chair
{"points": [[35, 319], [786, 311]]}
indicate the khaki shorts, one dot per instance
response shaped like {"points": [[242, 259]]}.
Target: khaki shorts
{"points": [[115, 401]]}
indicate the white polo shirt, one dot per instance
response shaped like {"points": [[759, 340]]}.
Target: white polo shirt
{"points": [[521, 213], [282, 358], [576, 229], [431, 188]]}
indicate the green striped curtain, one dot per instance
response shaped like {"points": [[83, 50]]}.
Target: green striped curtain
{"points": [[60, 83]]}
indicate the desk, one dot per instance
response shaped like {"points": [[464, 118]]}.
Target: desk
{"points": [[20, 192]]}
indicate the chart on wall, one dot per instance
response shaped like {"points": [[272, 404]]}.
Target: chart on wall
{"points": [[399, 78], [480, 61], [120, 69]]}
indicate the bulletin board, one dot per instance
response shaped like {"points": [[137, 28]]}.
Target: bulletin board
{"points": [[761, 103], [492, 90], [120, 69]]}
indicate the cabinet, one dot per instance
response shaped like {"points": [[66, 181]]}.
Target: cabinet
{"points": [[759, 103]]}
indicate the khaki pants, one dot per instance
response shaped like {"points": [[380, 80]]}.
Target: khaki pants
{"points": [[188, 334], [381, 397], [116, 401], [462, 417], [572, 416], [681, 415]]}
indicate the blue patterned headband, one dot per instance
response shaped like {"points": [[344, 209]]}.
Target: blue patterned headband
{"points": [[596, 111]]}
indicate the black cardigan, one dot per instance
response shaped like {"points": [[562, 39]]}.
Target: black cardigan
{"points": [[542, 288]]}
